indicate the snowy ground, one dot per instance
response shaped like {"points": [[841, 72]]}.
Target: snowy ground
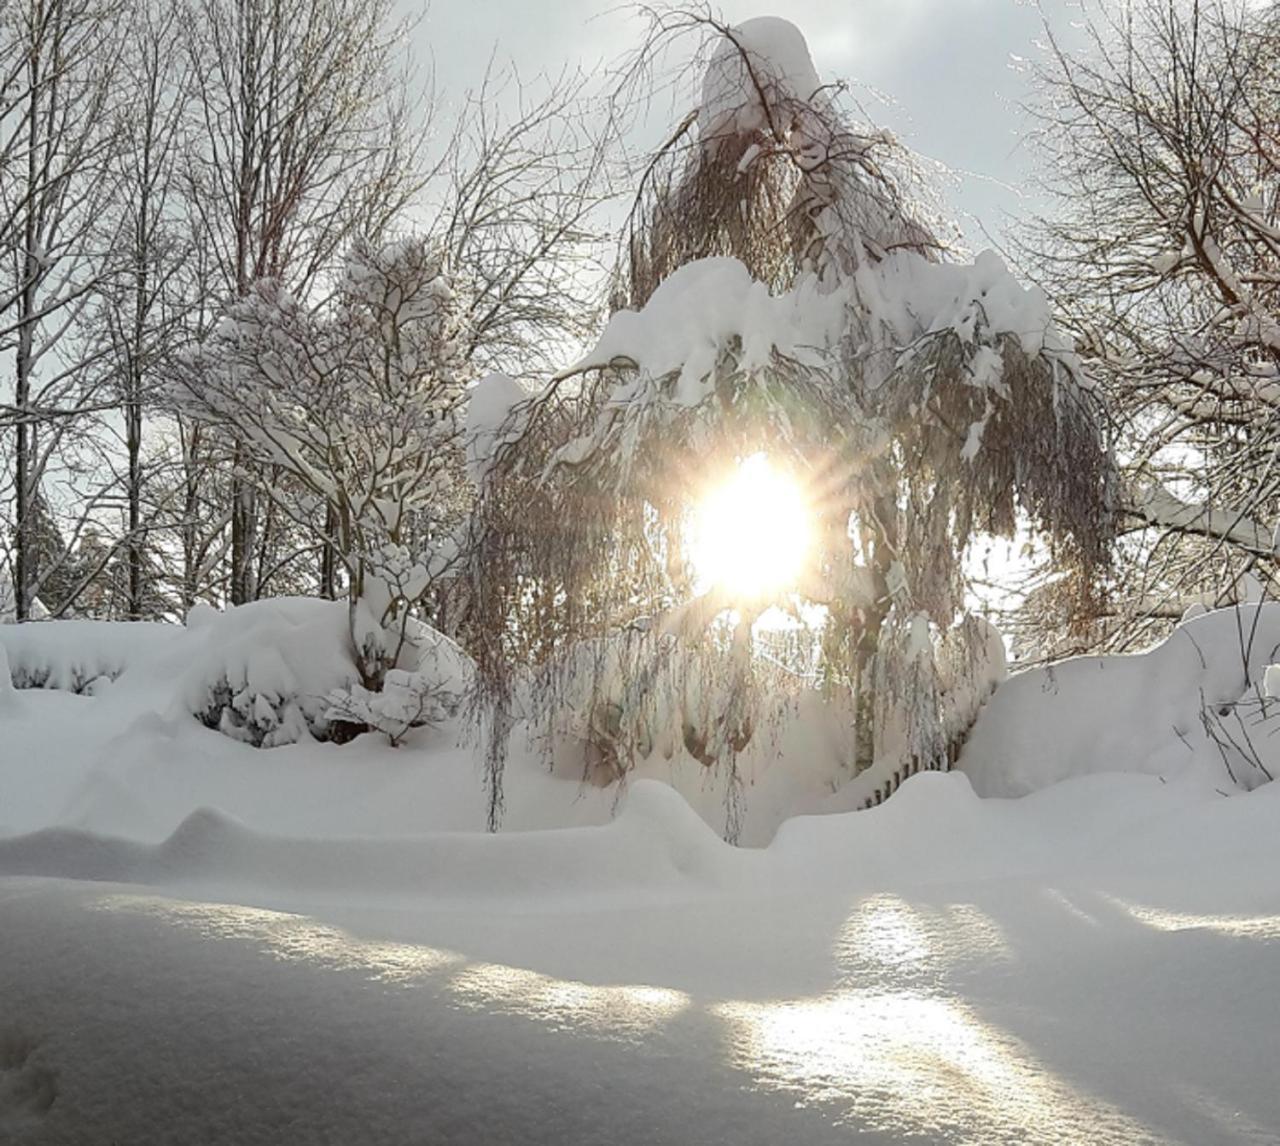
{"points": [[239, 946]]}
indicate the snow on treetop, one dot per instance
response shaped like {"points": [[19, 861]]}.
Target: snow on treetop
{"points": [[759, 64], [704, 306], [697, 311]]}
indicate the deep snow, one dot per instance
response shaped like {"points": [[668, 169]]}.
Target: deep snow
{"points": [[204, 942]]}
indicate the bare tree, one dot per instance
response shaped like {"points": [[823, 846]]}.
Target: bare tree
{"points": [[520, 220], [142, 313], [1162, 255], [58, 136]]}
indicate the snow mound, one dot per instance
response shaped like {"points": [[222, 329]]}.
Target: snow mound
{"points": [[493, 419], [1194, 704], [761, 65], [79, 656], [656, 842], [263, 672]]}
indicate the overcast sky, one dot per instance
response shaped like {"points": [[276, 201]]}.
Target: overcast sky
{"points": [[946, 66]]}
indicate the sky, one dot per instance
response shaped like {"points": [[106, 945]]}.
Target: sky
{"points": [[947, 71]]}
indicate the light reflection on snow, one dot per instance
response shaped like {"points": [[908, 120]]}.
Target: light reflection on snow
{"points": [[293, 937], [887, 935], [1073, 908], [912, 1060], [1236, 926], [629, 1010], [914, 1064], [907, 1061], [885, 930], [620, 1010]]}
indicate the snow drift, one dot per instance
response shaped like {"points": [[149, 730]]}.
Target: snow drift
{"points": [[1194, 703]]}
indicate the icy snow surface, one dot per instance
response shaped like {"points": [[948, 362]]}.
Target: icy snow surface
{"points": [[203, 942]]}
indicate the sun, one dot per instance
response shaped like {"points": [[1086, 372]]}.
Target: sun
{"points": [[751, 534]]}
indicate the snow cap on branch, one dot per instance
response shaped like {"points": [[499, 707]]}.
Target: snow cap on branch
{"points": [[759, 66]]}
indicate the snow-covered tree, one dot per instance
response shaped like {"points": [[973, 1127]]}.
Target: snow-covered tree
{"points": [[352, 406], [781, 300], [1162, 255], [301, 139]]}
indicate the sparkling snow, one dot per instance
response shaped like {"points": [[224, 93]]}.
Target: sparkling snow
{"points": [[204, 942]]}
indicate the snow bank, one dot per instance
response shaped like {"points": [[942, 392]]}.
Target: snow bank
{"points": [[1194, 703], [657, 842], [78, 656]]}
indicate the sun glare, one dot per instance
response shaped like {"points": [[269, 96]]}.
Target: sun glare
{"points": [[750, 535]]}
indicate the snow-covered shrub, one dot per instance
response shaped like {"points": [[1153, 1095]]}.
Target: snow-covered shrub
{"points": [[1197, 702], [427, 694], [263, 672], [79, 656]]}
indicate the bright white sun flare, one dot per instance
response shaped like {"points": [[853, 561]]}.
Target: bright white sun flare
{"points": [[750, 535]]}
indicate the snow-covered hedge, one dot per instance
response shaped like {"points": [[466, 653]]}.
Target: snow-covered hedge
{"points": [[263, 672], [78, 656], [268, 673]]}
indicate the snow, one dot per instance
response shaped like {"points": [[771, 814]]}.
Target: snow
{"points": [[943, 967], [712, 307], [263, 672], [73, 655], [762, 63], [1154, 712], [700, 311], [914, 296], [205, 942], [494, 418]]}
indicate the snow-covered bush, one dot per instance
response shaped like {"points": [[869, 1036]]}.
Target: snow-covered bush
{"points": [[77, 656], [1197, 702], [263, 672], [427, 694]]}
